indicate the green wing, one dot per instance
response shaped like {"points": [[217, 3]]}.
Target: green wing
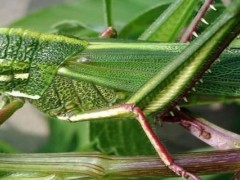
{"points": [[127, 65], [122, 65]]}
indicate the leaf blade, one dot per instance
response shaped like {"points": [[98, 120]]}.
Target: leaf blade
{"points": [[169, 24]]}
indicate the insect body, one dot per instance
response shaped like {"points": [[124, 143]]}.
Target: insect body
{"points": [[75, 96], [68, 95], [29, 60]]}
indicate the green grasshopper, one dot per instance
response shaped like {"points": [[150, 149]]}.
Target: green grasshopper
{"points": [[76, 80]]}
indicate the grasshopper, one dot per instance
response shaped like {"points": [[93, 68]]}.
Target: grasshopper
{"points": [[68, 78]]}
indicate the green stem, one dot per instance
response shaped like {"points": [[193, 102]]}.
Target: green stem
{"points": [[168, 25], [10, 108], [108, 12], [102, 166]]}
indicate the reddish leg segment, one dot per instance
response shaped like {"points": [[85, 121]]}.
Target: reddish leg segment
{"points": [[159, 147]]}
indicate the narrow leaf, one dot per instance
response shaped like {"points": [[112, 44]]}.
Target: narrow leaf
{"points": [[140, 23], [169, 24], [107, 11]]}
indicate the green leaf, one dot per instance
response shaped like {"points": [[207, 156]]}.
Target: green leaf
{"points": [[73, 28], [68, 137], [138, 25], [79, 11], [122, 137], [6, 148], [169, 24], [86, 12]]}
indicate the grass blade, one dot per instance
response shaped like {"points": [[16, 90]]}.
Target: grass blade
{"points": [[169, 24]]}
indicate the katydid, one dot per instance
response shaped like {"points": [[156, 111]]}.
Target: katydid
{"points": [[73, 79]]}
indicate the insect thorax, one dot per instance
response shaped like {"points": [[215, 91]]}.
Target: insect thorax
{"points": [[29, 60]]}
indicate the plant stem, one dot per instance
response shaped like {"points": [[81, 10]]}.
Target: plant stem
{"points": [[103, 166], [108, 12], [10, 108]]}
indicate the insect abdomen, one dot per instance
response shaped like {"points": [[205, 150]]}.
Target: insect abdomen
{"points": [[29, 60]]}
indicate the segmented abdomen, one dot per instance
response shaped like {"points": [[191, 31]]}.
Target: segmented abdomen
{"points": [[29, 60]]}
